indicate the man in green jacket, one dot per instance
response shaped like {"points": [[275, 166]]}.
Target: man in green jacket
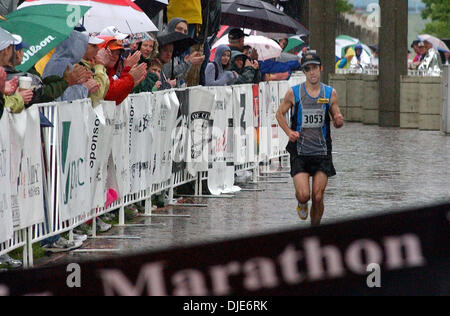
{"points": [[247, 70]]}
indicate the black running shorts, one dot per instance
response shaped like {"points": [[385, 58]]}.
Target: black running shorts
{"points": [[312, 164]]}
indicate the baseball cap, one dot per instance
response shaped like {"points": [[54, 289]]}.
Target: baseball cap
{"points": [[236, 34], [94, 40], [311, 58], [19, 43], [114, 32]]}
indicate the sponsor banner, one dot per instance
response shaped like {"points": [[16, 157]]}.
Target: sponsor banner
{"points": [[256, 120], [274, 104], [6, 221], [181, 132], [243, 124], [283, 88], [73, 155], [165, 117], [221, 169], [100, 128], [27, 196], [265, 131], [201, 104], [402, 253], [140, 146], [120, 151]]}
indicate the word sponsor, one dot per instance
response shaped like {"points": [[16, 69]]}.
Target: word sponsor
{"points": [[410, 249]]}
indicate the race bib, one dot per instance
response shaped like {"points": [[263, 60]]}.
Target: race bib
{"points": [[313, 118]]}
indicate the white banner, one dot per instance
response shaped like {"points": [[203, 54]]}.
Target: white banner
{"points": [[264, 131], [101, 126], [74, 172], [140, 126], [274, 104], [283, 88], [120, 151], [165, 118], [221, 177], [201, 103], [6, 221], [26, 168]]}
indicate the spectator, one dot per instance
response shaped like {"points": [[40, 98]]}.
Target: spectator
{"points": [[15, 99], [357, 62], [189, 11], [124, 75], [180, 66], [148, 47], [417, 59], [152, 81], [431, 61], [165, 56], [344, 63], [236, 40], [96, 60], [64, 63], [215, 74], [245, 68], [283, 42]]}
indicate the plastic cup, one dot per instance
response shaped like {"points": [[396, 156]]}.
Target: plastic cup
{"points": [[25, 83]]}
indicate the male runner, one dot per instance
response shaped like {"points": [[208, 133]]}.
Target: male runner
{"points": [[309, 136]]}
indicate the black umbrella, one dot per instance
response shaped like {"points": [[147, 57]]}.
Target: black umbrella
{"points": [[151, 7], [181, 43], [260, 16]]}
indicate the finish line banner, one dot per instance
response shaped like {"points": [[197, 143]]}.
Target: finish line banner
{"points": [[404, 253]]}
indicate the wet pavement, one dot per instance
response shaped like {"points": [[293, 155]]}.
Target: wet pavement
{"points": [[378, 170]]}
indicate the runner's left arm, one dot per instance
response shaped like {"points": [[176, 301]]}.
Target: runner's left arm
{"points": [[338, 118]]}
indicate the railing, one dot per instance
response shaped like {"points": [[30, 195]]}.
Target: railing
{"points": [[248, 136]]}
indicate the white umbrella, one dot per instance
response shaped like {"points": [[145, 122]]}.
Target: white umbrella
{"points": [[437, 43], [266, 47], [123, 14]]}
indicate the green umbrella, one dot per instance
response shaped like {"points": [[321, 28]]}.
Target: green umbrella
{"points": [[294, 42], [43, 28]]}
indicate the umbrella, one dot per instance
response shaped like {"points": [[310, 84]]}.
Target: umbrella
{"points": [[152, 7], [344, 41], [181, 43], [437, 43], [294, 42], [258, 15], [266, 47], [42, 28], [123, 14]]}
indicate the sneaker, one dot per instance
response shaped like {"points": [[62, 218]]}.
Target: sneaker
{"points": [[102, 226], [7, 262], [78, 237], [83, 229], [302, 211], [63, 245]]}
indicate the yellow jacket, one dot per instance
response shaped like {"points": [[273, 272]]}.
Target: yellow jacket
{"points": [[14, 103], [102, 78], [190, 10]]}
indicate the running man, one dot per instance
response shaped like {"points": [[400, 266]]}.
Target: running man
{"points": [[309, 136]]}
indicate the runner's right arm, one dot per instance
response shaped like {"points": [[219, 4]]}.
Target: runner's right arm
{"points": [[288, 103]]}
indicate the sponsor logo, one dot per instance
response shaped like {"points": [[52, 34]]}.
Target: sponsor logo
{"points": [[33, 50]]}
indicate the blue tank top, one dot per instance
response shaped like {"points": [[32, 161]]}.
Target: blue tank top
{"points": [[311, 119]]}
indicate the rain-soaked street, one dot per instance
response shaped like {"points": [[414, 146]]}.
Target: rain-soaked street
{"points": [[378, 170]]}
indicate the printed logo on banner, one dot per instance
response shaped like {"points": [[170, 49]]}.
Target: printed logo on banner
{"points": [[26, 168]]}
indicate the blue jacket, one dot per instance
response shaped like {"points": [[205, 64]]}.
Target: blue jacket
{"points": [[274, 67]]}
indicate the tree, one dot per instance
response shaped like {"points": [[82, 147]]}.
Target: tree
{"points": [[343, 6], [439, 13]]}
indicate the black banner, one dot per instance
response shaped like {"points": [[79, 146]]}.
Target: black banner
{"points": [[403, 253]]}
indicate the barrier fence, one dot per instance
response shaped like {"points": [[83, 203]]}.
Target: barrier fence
{"points": [[54, 179]]}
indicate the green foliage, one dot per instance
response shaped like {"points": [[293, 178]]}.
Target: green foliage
{"points": [[343, 6], [439, 13]]}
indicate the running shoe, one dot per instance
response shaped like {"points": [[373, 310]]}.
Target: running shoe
{"points": [[302, 211], [62, 245], [6, 262]]}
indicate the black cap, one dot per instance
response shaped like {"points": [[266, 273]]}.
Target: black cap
{"points": [[311, 58], [414, 43], [236, 34]]}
